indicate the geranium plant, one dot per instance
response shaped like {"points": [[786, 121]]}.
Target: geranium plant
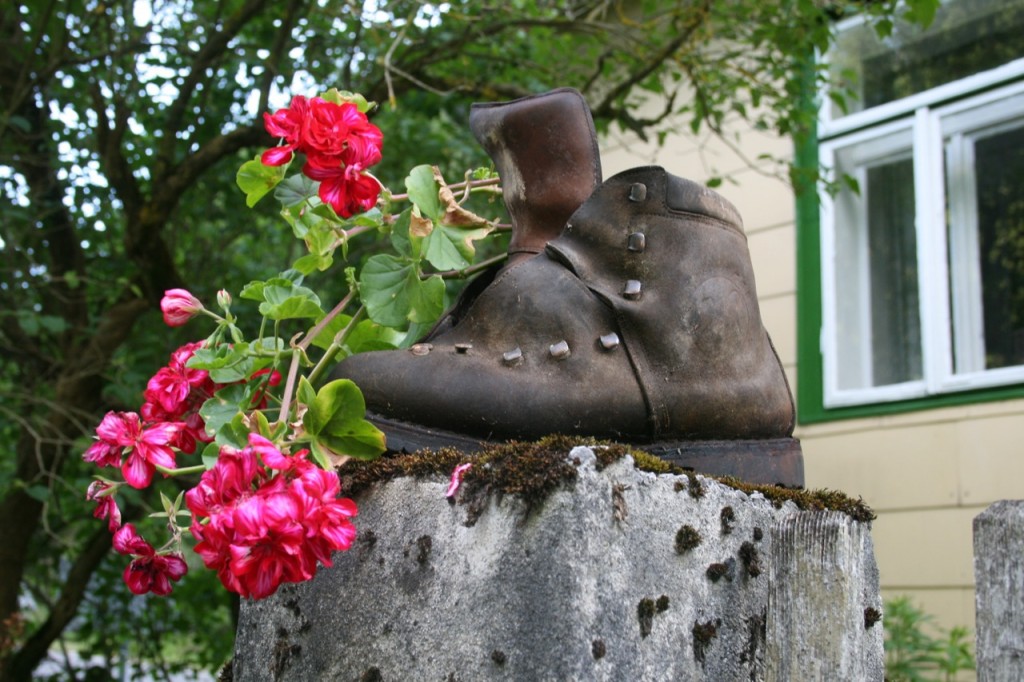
{"points": [[249, 423]]}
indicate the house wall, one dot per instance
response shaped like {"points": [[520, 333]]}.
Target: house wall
{"points": [[926, 474]]}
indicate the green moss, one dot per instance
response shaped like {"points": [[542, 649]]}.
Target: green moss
{"points": [[717, 571], [534, 470], [703, 635], [751, 559], [645, 611], [728, 518], [687, 538]]}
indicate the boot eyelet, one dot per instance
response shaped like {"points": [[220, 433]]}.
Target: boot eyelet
{"points": [[632, 289], [638, 192], [560, 350], [463, 348], [610, 341], [637, 242], [421, 348], [512, 357]]}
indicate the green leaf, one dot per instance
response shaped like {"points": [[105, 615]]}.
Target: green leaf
{"points": [[304, 393], [401, 240], [286, 301], [338, 401], [426, 302], [321, 455], [256, 180], [40, 493], [311, 263], [362, 440], [386, 285], [210, 455], [223, 407], [423, 189], [253, 291], [451, 248], [336, 420], [226, 364], [296, 190]]}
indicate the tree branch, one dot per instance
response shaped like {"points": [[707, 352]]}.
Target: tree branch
{"points": [[64, 609], [210, 52]]}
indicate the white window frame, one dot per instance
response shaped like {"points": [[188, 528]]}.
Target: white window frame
{"points": [[937, 120]]}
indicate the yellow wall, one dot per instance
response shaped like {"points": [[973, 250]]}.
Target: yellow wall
{"points": [[926, 474]]}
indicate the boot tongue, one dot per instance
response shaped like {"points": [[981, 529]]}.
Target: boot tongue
{"points": [[545, 150]]}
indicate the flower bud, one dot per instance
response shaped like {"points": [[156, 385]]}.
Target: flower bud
{"points": [[179, 306], [224, 299]]}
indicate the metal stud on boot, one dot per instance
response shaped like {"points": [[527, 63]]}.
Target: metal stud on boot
{"points": [[638, 324]]}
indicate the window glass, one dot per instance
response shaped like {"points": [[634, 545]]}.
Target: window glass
{"points": [[878, 323], [999, 173], [967, 37]]}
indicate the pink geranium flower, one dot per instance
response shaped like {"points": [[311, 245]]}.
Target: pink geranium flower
{"points": [[262, 517], [339, 142], [172, 387], [148, 571], [106, 506], [345, 188], [179, 306], [286, 124], [122, 433], [147, 448]]}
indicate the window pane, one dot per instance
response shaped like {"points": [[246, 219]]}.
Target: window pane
{"points": [[999, 177], [967, 37], [878, 320]]}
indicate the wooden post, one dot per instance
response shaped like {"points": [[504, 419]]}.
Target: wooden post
{"points": [[999, 596]]}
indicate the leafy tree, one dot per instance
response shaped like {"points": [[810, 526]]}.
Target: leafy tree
{"points": [[121, 126]]}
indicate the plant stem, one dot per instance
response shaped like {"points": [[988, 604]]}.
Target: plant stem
{"points": [[457, 185], [335, 346], [471, 270], [293, 369], [196, 469]]}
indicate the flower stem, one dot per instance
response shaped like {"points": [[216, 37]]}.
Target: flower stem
{"points": [[335, 346], [457, 185], [182, 471], [293, 369], [471, 270]]}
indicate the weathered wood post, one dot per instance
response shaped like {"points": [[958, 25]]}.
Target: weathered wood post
{"points": [[999, 596], [618, 574]]}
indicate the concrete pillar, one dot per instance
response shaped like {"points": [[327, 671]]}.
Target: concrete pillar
{"points": [[999, 595], [620, 574]]}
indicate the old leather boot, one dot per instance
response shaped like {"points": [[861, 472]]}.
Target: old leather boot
{"points": [[544, 148], [639, 324]]}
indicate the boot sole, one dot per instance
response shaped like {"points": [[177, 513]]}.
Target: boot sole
{"points": [[772, 461]]}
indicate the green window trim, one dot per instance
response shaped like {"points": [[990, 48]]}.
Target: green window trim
{"points": [[810, 380]]}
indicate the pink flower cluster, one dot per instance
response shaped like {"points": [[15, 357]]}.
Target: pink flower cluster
{"points": [[339, 143], [148, 571], [170, 421], [262, 518], [137, 444]]}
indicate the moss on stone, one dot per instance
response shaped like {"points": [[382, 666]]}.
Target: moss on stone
{"points": [[534, 470]]}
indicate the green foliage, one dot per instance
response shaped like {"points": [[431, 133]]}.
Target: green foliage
{"points": [[917, 651]]}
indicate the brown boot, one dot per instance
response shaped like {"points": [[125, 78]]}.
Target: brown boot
{"points": [[639, 324], [544, 148]]}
